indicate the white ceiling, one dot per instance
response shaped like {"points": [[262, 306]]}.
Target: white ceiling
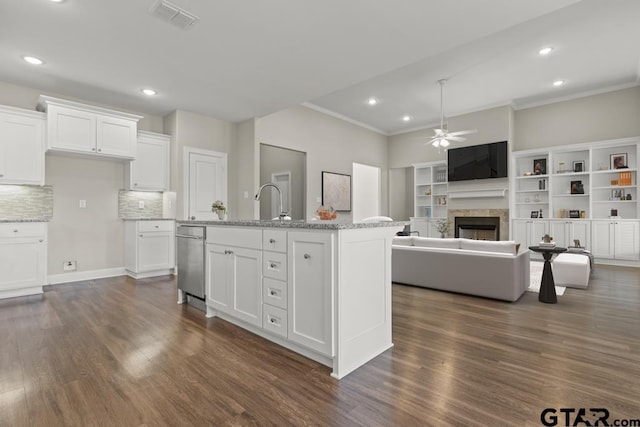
{"points": [[249, 58]]}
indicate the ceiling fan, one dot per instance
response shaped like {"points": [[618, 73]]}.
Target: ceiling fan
{"points": [[443, 137]]}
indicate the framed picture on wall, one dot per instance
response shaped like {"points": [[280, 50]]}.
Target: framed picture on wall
{"points": [[336, 191], [540, 167], [578, 166], [619, 161]]}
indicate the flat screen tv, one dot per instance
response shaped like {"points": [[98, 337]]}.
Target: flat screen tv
{"points": [[478, 162]]}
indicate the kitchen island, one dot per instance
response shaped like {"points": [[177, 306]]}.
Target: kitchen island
{"points": [[319, 288]]}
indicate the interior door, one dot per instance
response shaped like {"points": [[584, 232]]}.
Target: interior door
{"points": [[207, 182], [283, 181]]}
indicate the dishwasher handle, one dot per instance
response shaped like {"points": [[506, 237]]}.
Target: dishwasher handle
{"points": [[189, 237]]}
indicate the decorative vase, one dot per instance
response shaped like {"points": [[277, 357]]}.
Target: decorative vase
{"points": [[220, 214], [442, 235]]}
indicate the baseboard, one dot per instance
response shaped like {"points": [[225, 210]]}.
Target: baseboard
{"points": [[78, 276]]}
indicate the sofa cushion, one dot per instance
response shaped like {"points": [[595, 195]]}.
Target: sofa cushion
{"points": [[433, 242], [403, 241], [502, 246]]}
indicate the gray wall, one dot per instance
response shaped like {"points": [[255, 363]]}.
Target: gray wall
{"points": [[93, 236], [600, 117], [331, 145], [277, 159]]}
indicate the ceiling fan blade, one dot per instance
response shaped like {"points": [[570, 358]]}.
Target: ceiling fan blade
{"points": [[463, 132], [456, 138]]}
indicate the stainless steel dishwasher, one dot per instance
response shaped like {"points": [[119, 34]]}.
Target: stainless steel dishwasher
{"points": [[191, 241]]}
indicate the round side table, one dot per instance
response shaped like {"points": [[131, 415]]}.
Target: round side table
{"points": [[547, 292]]}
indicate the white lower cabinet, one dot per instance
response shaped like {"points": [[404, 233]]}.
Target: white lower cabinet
{"points": [[310, 293], [149, 248], [615, 239], [529, 232], [23, 258], [234, 281], [564, 232]]}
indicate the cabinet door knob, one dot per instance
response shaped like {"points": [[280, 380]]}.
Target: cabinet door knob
{"points": [[93, 149], [1, 175], [193, 217], [157, 226], [41, 240], [307, 256], [272, 241], [135, 184], [15, 231], [99, 150], [142, 235]]}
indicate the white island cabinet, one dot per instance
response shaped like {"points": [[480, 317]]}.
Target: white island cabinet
{"points": [[321, 290], [23, 258]]}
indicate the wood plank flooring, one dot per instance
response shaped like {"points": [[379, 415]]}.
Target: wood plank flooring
{"points": [[122, 352]]}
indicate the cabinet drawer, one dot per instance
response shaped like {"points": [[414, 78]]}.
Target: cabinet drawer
{"points": [[23, 229], [155, 226], [274, 292], [274, 265], [243, 237], [274, 320], [274, 240]]}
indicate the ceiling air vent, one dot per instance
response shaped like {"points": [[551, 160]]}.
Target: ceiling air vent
{"points": [[177, 16]]}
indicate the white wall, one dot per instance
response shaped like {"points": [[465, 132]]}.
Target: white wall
{"points": [[331, 145], [366, 192], [247, 176], [277, 159]]}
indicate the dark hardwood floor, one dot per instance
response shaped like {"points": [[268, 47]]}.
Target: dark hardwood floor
{"points": [[122, 352]]}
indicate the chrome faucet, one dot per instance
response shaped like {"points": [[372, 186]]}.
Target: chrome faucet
{"points": [[282, 215]]}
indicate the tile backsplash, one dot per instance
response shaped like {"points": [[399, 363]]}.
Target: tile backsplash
{"points": [[139, 204], [19, 202]]}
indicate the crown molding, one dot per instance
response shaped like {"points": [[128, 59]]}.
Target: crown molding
{"points": [[343, 118], [598, 91]]}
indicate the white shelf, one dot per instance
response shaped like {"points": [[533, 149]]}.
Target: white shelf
{"points": [[570, 195], [614, 187], [606, 171], [532, 176], [532, 191], [614, 201], [500, 192], [532, 203]]}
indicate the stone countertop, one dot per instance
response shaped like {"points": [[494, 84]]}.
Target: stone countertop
{"points": [[148, 219], [318, 225], [2, 220]]}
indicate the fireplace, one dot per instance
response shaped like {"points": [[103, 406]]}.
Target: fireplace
{"points": [[477, 227]]}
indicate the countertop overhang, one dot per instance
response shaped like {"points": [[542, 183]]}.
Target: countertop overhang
{"points": [[318, 225]]}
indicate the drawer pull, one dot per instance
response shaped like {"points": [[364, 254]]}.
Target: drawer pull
{"points": [[273, 320], [273, 293], [227, 252], [272, 241], [15, 231], [273, 265], [157, 226], [142, 235], [307, 256], [41, 240]]}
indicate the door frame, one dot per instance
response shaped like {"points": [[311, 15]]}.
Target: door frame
{"points": [[186, 154]]}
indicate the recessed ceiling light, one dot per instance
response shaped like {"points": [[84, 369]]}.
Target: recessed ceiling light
{"points": [[149, 92], [372, 101], [545, 50], [33, 60], [406, 118], [558, 83]]}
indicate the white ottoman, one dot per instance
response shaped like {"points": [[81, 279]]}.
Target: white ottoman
{"points": [[571, 270]]}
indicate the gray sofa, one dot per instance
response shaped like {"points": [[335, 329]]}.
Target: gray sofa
{"points": [[476, 267]]}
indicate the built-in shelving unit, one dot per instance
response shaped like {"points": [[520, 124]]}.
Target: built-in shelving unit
{"points": [[587, 192], [430, 193]]}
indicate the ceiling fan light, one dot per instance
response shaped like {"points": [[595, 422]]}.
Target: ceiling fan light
{"points": [[444, 142], [436, 143], [545, 50]]}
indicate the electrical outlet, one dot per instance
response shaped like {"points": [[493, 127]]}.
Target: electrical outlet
{"points": [[82, 204], [141, 204], [246, 194], [69, 266]]}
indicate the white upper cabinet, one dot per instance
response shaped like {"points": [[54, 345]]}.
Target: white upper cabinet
{"points": [[21, 146], [150, 170], [80, 128]]}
